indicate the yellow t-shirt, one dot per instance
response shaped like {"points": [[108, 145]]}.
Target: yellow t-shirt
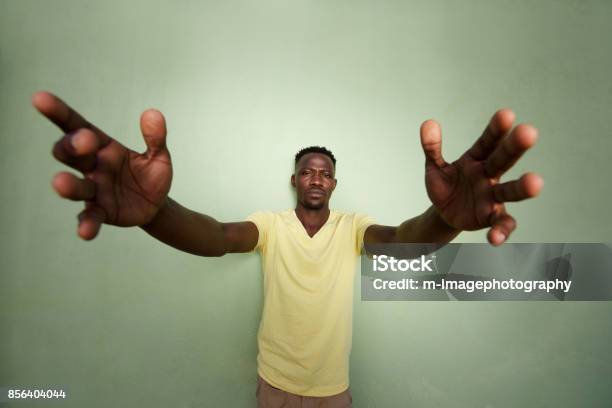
{"points": [[305, 333]]}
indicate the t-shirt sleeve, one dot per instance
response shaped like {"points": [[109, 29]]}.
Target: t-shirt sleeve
{"points": [[361, 222], [263, 221]]}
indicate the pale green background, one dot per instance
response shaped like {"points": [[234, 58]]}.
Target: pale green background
{"points": [[125, 321]]}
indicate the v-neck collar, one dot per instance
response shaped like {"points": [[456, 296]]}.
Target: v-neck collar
{"points": [[297, 219]]}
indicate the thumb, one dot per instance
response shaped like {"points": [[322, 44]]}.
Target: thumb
{"points": [[431, 140], [153, 127]]}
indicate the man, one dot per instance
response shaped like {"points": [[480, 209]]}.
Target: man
{"points": [[309, 253]]}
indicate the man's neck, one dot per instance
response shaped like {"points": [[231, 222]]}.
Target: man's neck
{"points": [[311, 219]]}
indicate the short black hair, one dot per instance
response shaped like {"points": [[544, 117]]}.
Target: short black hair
{"points": [[315, 149]]}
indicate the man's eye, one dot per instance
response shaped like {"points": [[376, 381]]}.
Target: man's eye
{"points": [[328, 175]]}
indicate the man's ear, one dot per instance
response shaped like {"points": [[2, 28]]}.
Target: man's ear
{"points": [[293, 180], [335, 184]]}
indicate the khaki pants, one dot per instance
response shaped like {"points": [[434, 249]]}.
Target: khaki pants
{"points": [[272, 397]]}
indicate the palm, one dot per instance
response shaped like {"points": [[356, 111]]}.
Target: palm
{"points": [[467, 193], [120, 187], [130, 187], [462, 193]]}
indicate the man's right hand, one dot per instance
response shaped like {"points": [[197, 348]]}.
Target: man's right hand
{"points": [[120, 186]]}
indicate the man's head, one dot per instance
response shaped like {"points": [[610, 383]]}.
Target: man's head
{"points": [[314, 177]]}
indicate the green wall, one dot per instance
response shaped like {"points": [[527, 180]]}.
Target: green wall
{"points": [[125, 321]]}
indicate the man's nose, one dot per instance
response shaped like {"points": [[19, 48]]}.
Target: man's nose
{"points": [[316, 180]]}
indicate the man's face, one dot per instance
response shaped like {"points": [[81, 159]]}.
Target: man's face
{"points": [[314, 180]]}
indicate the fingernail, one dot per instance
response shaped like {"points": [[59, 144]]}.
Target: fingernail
{"points": [[501, 237], [76, 141], [498, 237]]}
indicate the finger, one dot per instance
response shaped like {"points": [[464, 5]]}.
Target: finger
{"points": [[431, 141], [153, 127], [69, 186], [77, 149], [510, 150], [90, 221], [502, 225], [62, 115], [84, 142], [528, 186], [496, 130]]}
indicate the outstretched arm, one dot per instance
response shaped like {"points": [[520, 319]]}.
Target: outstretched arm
{"points": [[428, 227], [467, 194], [124, 188], [200, 234]]}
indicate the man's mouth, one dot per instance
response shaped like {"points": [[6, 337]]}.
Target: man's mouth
{"points": [[315, 193]]}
